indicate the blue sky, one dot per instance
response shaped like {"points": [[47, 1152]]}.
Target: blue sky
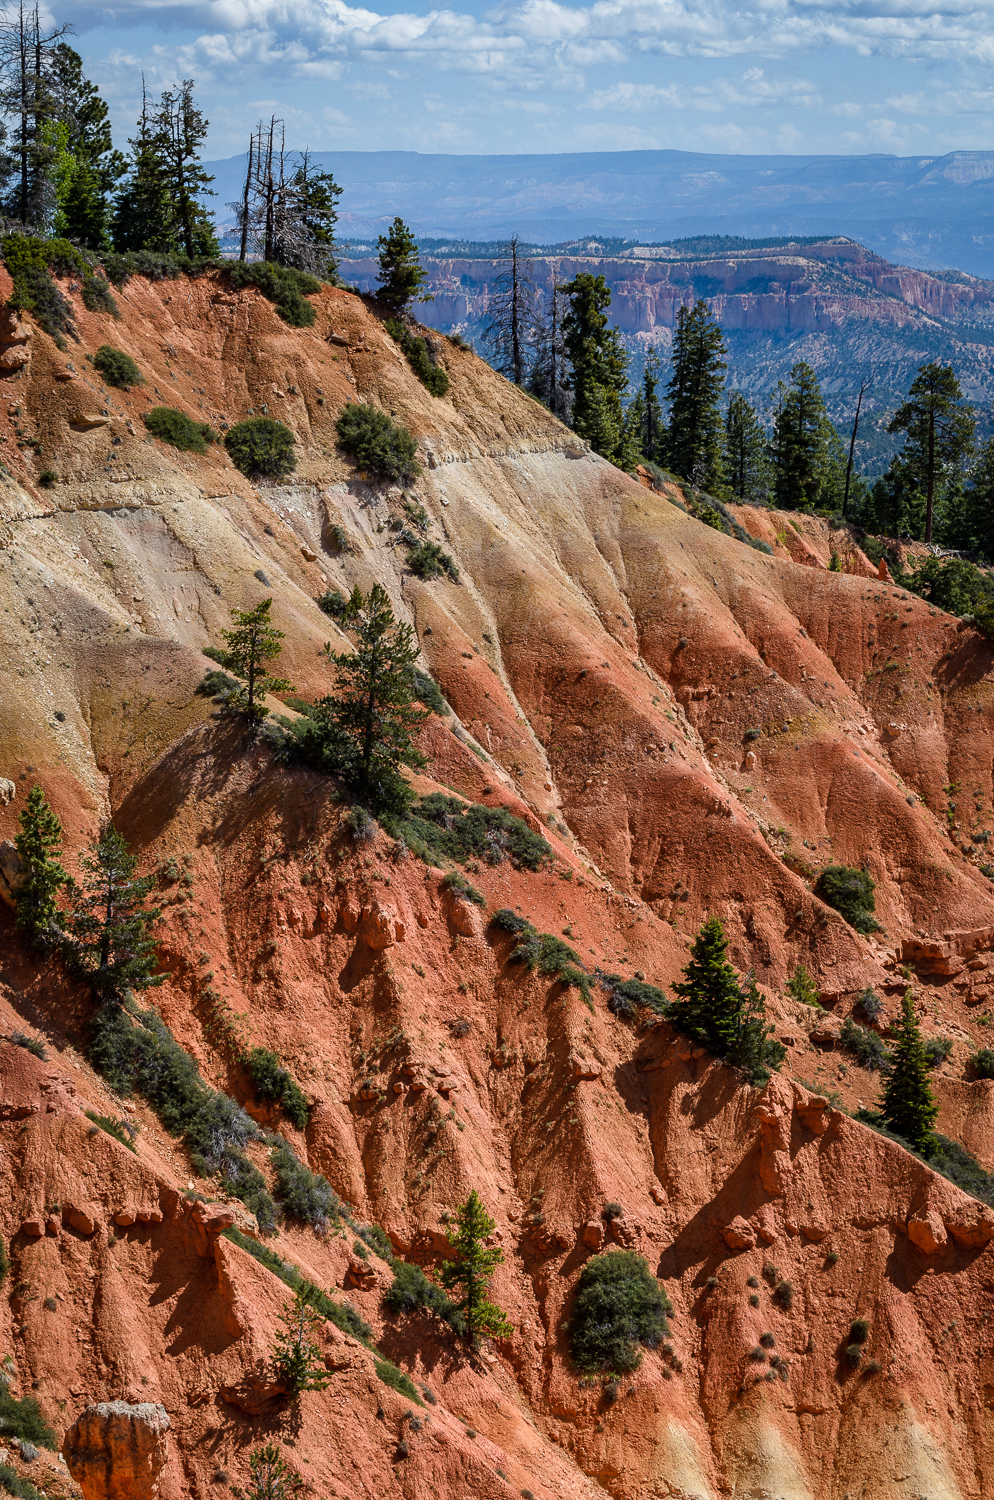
{"points": [[838, 76]]}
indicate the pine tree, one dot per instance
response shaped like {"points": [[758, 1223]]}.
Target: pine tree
{"points": [[755, 1049], [709, 1009], [510, 325], [628, 454], [972, 526], [253, 642], [747, 465], [39, 844], [939, 432], [909, 1107], [272, 1477], [108, 923], [471, 1270], [653, 424], [314, 195], [598, 364], [365, 731], [26, 54], [401, 277], [549, 375], [82, 204], [800, 447], [178, 133], [144, 216], [695, 438], [297, 1359]]}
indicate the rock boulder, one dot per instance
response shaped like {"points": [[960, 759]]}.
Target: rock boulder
{"points": [[115, 1451]]}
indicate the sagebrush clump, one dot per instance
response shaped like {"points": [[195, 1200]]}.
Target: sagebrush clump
{"points": [[177, 429], [379, 447], [261, 448], [117, 368], [620, 1309]]}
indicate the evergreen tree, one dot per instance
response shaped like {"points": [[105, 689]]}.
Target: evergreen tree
{"points": [[365, 731], [800, 448], [653, 424], [471, 1270], [401, 277], [747, 464], [297, 1359], [629, 452], [315, 194], [144, 216], [82, 200], [510, 325], [178, 133], [709, 1009], [694, 441], [39, 844], [253, 642], [272, 1477], [108, 923], [755, 1050], [26, 55], [598, 365], [939, 433], [909, 1107], [972, 527]]}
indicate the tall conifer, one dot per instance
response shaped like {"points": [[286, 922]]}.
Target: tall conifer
{"points": [[909, 1105], [695, 439], [39, 844]]}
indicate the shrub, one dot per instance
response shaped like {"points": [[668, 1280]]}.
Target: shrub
{"points": [[937, 1049], [117, 1128], [510, 921], [261, 448], [870, 1004], [866, 1046], [379, 447], [850, 892], [429, 694], [859, 1331], [29, 260], [464, 889], [549, 955], [23, 1419], [284, 286], [441, 827], [177, 429], [397, 1380], [333, 602], [32, 1044], [411, 1291], [301, 1193], [216, 684], [117, 368], [612, 1211], [853, 1355], [767, 1340], [619, 1306], [275, 1085], [360, 825], [418, 356], [427, 560], [802, 988], [136, 1053], [981, 1063], [626, 996], [47, 478], [783, 1295], [154, 265], [98, 297]]}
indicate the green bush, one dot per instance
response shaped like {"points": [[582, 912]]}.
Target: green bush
{"points": [[116, 1128], [619, 1307], [284, 286], [117, 368], [427, 560], [397, 1380], [216, 684], [866, 1046], [627, 996], [428, 693], [981, 1063], [460, 886], [870, 1004], [411, 1291], [16, 1484], [937, 1049], [303, 1194], [333, 602], [32, 1044], [509, 921], [261, 448], [98, 297], [850, 892], [377, 445], [136, 1053], [859, 1331], [153, 265], [273, 1084], [418, 356], [444, 827], [23, 1419], [802, 988], [853, 1355], [177, 429], [28, 260], [549, 955]]}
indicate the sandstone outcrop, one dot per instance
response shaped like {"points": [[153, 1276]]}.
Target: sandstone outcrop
{"points": [[116, 1451]]}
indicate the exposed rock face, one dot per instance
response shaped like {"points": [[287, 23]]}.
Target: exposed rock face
{"points": [[116, 1452], [13, 871]]}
